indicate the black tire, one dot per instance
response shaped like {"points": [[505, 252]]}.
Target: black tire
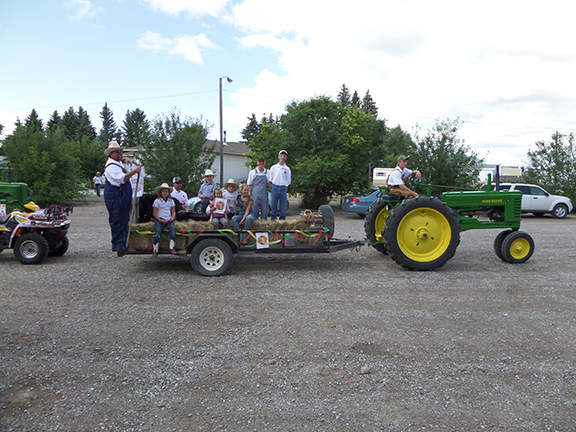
{"points": [[560, 211], [327, 218], [31, 248], [197, 207], [498, 242], [422, 233], [517, 247], [211, 257], [374, 224], [61, 248]]}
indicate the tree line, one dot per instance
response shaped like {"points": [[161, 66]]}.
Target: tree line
{"points": [[333, 144]]}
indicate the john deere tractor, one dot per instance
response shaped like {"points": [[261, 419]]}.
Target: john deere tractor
{"points": [[423, 233]]}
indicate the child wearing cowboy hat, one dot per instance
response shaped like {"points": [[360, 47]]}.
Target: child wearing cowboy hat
{"points": [[230, 194], [164, 211], [206, 192]]}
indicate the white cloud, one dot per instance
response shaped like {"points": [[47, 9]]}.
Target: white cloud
{"points": [[194, 8], [81, 8], [503, 68], [190, 47]]}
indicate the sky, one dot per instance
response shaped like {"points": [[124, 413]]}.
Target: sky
{"points": [[505, 68]]}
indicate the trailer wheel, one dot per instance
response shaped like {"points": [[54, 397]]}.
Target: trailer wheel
{"points": [[422, 233], [327, 218], [517, 247], [211, 257], [498, 242], [31, 248], [375, 222], [60, 250]]}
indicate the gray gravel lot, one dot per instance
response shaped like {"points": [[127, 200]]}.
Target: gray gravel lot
{"points": [[340, 341]]}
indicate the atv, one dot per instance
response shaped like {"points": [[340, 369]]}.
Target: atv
{"points": [[33, 233]]}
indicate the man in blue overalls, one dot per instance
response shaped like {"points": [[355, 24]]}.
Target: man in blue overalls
{"points": [[118, 196], [259, 178]]}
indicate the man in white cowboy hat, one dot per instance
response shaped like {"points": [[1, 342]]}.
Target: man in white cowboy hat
{"points": [[259, 178], [164, 211], [281, 179], [179, 194], [118, 196], [206, 192], [230, 194]]}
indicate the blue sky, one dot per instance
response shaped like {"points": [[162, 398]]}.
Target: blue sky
{"points": [[505, 68]]}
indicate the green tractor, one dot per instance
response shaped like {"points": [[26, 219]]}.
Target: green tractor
{"points": [[423, 233]]}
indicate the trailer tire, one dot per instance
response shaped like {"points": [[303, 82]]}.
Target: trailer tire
{"points": [[498, 243], [375, 222], [211, 257], [31, 248], [517, 247], [422, 233], [60, 250], [327, 218]]}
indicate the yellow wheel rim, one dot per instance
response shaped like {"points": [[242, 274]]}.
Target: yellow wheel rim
{"points": [[520, 248], [380, 224], [424, 234]]}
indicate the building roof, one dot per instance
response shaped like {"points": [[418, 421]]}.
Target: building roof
{"points": [[231, 148]]}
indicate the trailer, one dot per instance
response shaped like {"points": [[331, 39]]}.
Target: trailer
{"points": [[211, 252]]}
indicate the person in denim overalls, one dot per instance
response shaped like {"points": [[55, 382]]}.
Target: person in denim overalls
{"points": [[259, 178], [118, 196]]}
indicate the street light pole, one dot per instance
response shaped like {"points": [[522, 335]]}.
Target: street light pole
{"points": [[221, 134]]}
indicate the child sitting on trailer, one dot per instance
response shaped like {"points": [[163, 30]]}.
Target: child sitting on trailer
{"points": [[218, 208], [164, 211]]}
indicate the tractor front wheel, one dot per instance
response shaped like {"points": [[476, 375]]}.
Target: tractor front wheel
{"points": [[375, 222], [517, 247], [422, 233]]}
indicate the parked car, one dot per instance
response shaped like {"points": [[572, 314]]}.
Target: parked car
{"points": [[195, 204], [360, 203], [537, 201]]}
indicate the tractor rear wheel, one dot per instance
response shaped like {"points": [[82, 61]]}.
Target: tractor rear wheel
{"points": [[375, 222], [422, 233], [517, 247]]}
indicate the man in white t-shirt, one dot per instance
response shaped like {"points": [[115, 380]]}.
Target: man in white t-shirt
{"points": [[179, 194], [399, 175], [280, 179]]}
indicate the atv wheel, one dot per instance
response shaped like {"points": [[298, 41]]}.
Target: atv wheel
{"points": [[517, 247], [327, 218], [374, 224], [61, 249], [31, 248], [422, 233]]}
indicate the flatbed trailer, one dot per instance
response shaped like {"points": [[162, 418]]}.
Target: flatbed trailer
{"points": [[211, 252]]}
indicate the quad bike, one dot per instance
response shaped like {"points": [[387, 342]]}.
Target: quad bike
{"points": [[33, 233]]}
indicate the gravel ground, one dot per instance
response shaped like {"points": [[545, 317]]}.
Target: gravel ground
{"points": [[339, 341]]}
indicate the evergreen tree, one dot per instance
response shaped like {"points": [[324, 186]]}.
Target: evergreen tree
{"points": [[368, 105], [54, 124], [136, 130], [355, 101], [85, 128], [70, 124], [33, 123], [251, 129], [109, 128], [344, 96]]}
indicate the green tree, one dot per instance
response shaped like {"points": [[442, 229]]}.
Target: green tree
{"points": [[85, 128], [344, 96], [33, 123], [329, 147], [91, 156], [54, 123], [553, 165], [70, 124], [355, 100], [109, 129], [46, 162], [368, 105], [396, 142], [444, 159], [177, 148], [136, 129]]}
